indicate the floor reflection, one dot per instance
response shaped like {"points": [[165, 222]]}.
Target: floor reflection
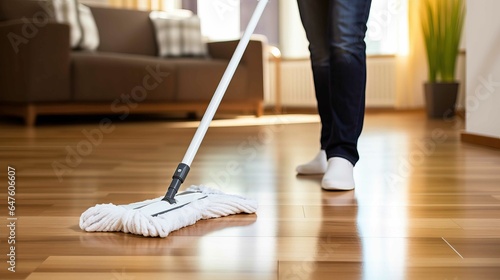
{"points": [[382, 217], [187, 238]]}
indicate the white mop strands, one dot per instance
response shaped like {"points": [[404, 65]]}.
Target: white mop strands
{"points": [[158, 217], [212, 203]]}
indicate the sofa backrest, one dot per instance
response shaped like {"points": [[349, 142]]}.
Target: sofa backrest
{"points": [[125, 31], [17, 9], [120, 30]]}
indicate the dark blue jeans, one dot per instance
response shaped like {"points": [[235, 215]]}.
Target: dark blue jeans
{"points": [[336, 30]]}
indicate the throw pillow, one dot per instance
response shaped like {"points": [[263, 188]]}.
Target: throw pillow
{"points": [[178, 34], [90, 35], [84, 34], [192, 40], [66, 12], [168, 33]]}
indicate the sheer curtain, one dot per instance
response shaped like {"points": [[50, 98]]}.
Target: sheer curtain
{"points": [[411, 63]]}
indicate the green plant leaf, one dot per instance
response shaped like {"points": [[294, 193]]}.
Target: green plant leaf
{"points": [[442, 24]]}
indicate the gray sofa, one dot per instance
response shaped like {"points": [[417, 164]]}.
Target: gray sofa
{"points": [[40, 73]]}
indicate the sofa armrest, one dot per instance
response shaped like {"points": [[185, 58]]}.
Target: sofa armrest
{"points": [[254, 58], [35, 61]]}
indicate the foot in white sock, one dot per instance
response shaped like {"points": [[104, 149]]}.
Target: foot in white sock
{"points": [[316, 166], [338, 175]]}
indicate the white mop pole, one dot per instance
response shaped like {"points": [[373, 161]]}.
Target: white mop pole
{"points": [[183, 168]]}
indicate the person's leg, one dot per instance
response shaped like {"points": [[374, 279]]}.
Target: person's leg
{"points": [[314, 16], [347, 87]]}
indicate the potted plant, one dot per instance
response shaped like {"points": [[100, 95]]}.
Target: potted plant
{"points": [[442, 24]]}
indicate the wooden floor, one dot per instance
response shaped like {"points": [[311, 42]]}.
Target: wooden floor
{"points": [[426, 205]]}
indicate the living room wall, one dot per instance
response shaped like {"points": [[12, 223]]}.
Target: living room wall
{"points": [[483, 68], [268, 24]]}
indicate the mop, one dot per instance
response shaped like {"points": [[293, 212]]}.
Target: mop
{"points": [[162, 215]]}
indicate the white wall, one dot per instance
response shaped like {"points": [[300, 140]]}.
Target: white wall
{"points": [[293, 41], [483, 68]]}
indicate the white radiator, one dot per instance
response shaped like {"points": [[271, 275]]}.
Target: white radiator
{"points": [[297, 88]]}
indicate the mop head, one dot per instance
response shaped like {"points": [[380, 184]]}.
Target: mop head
{"points": [[209, 203]]}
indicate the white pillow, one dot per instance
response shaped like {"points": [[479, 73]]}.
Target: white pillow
{"points": [[192, 40], [90, 35], [83, 29], [178, 33], [168, 36], [66, 12]]}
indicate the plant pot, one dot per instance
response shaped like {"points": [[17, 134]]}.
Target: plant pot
{"points": [[440, 99]]}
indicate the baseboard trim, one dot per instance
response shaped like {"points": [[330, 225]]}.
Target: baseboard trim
{"points": [[482, 140], [29, 111]]}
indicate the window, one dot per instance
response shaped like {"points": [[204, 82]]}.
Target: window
{"points": [[387, 27], [220, 19]]}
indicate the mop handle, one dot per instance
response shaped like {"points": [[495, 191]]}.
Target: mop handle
{"points": [[181, 172]]}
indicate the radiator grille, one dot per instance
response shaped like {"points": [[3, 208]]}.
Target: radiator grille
{"points": [[297, 88]]}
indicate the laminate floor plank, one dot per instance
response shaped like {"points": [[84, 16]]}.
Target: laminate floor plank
{"points": [[426, 206]]}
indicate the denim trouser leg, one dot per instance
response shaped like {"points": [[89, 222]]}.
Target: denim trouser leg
{"points": [[336, 30]]}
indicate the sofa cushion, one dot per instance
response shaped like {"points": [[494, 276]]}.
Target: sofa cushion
{"points": [[197, 79], [124, 31], [121, 78]]}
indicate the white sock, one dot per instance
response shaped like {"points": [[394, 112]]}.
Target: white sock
{"points": [[338, 175], [316, 166]]}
